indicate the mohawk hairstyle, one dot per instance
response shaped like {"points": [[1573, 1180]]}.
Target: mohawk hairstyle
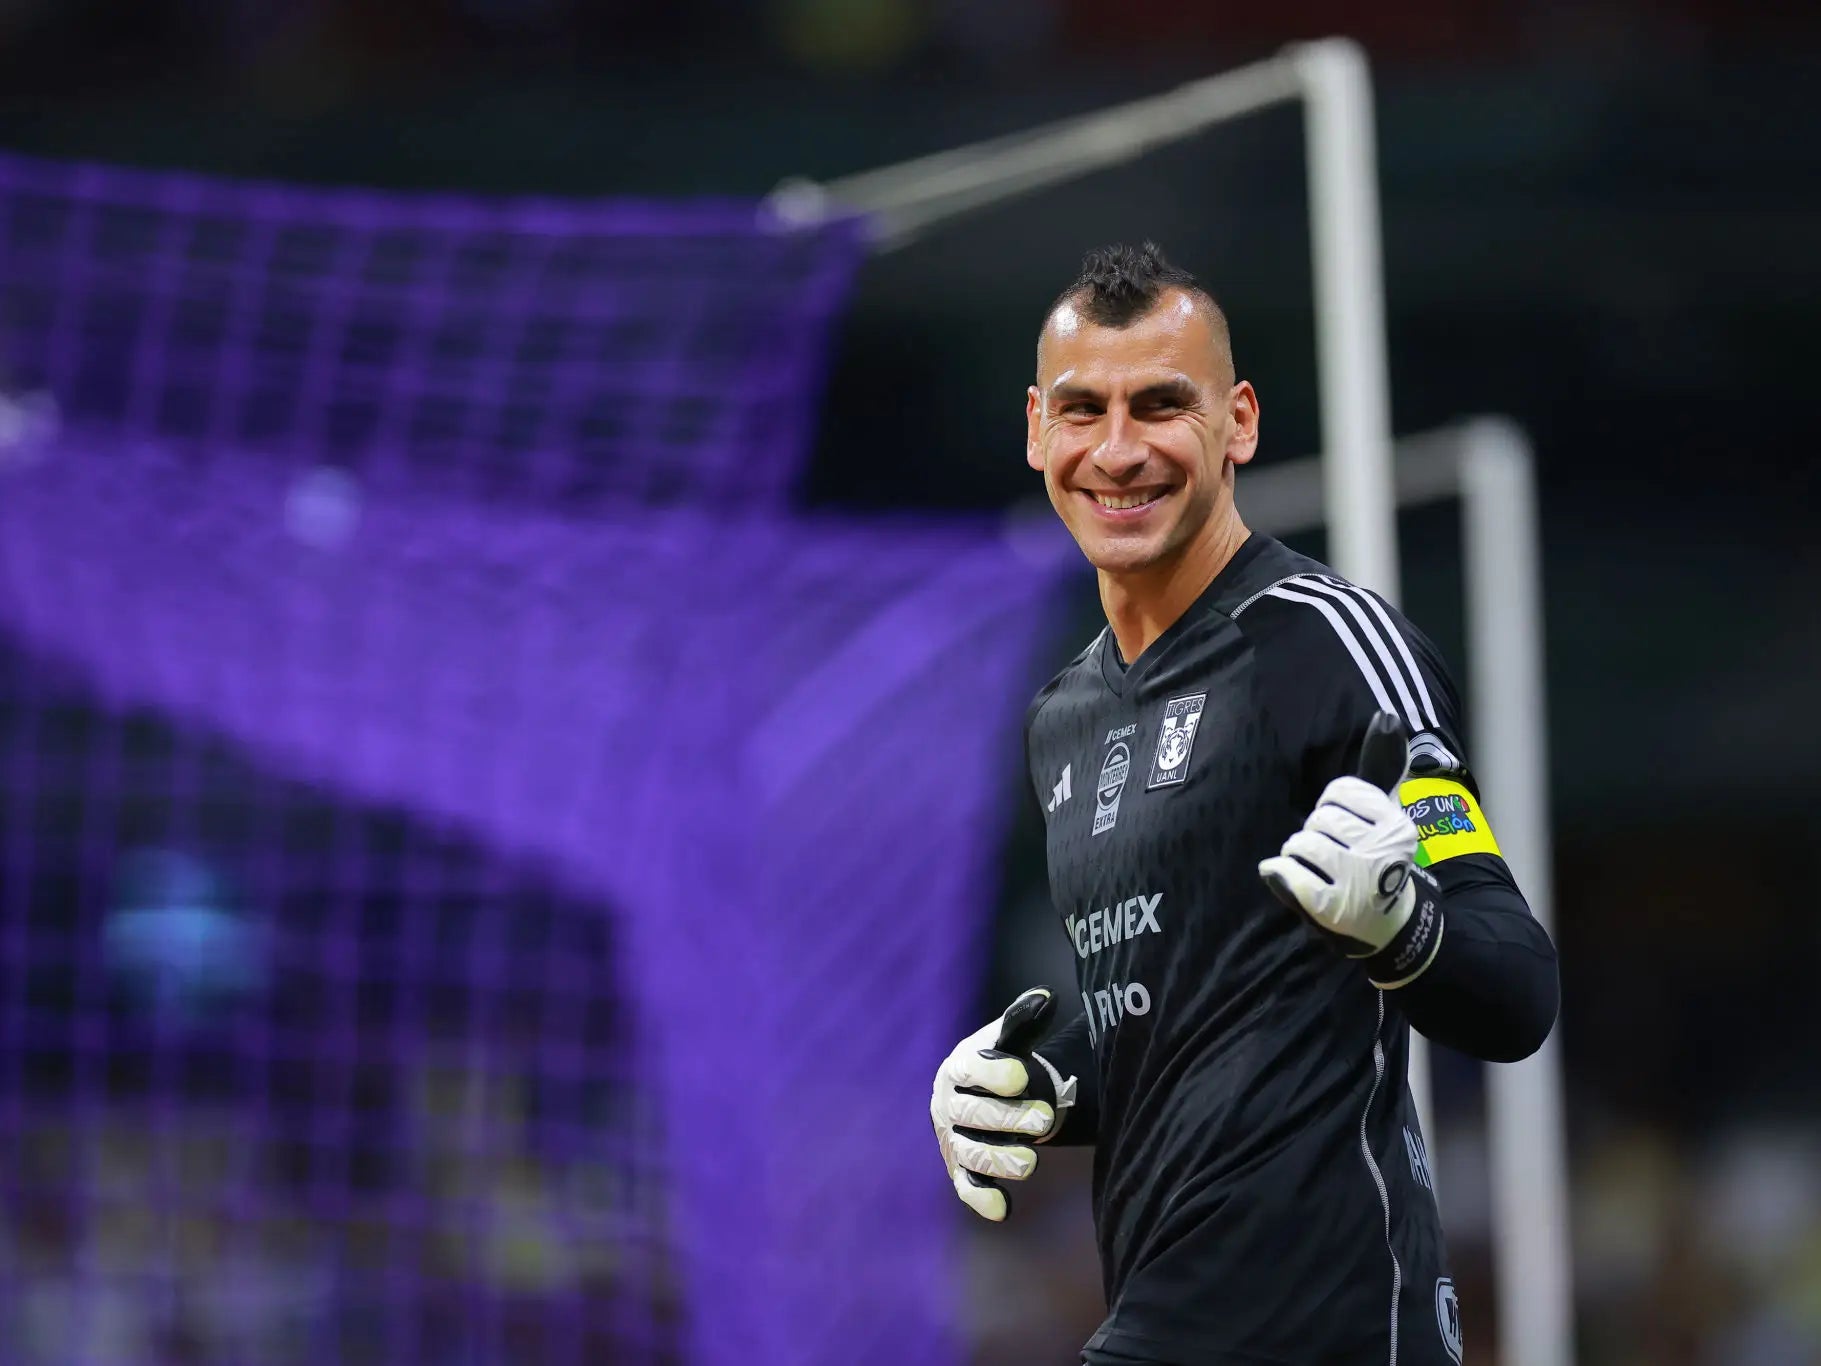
{"points": [[1119, 284]]}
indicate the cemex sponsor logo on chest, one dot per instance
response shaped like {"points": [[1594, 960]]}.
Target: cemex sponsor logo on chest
{"points": [[1097, 931], [1110, 925]]}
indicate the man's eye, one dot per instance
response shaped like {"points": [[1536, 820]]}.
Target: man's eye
{"points": [[1080, 410]]}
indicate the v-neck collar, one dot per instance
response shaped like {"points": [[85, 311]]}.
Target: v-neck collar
{"points": [[1119, 675]]}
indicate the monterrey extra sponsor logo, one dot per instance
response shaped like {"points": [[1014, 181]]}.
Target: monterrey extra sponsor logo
{"points": [[1113, 773]]}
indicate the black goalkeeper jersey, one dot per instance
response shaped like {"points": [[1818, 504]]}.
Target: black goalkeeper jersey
{"points": [[1261, 1189]]}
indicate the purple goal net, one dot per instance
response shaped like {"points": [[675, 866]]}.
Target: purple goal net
{"points": [[469, 894], [587, 353]]}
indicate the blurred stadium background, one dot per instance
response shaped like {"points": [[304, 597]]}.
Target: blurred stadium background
{"points": [[509, 675]]}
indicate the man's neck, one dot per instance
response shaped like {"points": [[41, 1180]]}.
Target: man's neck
{"points": [[1141, 606]]}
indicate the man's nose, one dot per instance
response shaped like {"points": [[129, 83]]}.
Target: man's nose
{"points": [[1123, 450]]}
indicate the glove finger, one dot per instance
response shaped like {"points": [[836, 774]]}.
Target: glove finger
{"points": [[1026, 1020], [984, 1199], [1295, 884], [1006, 1161], [1369, 803], [968, 1048], [1339, 824], [1032, 1117], [982, 1037], [1001, 1074], [1384, 752], [1322, 853]]}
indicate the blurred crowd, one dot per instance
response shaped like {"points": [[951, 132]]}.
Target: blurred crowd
{"points": [[1684, 1256], [260, 41]]}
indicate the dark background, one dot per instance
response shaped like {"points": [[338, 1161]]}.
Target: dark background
{"points": [[1601, 219]]}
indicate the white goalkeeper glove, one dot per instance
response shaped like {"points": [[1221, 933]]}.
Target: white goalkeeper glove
{"points": [[1351, 868], [994, 1099]]}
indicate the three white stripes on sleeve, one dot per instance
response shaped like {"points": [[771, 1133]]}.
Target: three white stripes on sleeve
{"points": [[1366, 630]]}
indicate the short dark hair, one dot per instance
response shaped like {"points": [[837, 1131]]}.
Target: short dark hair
{"points": [[1119, 284]]}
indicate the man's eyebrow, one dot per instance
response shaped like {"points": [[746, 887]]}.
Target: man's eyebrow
{"points": [[1179, 387]]}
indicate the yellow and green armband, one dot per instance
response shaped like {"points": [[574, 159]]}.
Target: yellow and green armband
{"points": [[1449, 821]]}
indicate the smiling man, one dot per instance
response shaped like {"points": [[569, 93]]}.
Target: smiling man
{"points": [[1270, 862]]}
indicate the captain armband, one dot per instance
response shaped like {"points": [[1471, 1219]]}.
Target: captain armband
{"points": [[1449, 822]]}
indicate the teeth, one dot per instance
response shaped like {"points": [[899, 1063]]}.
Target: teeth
{"points": [[1119, 502]]}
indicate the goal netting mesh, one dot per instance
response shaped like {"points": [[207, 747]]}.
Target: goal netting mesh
{"points": [[481, 878]]}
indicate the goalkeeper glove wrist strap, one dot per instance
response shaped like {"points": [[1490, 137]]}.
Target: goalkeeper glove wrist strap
{"points": [[1061, 1097], [1413, 948]]}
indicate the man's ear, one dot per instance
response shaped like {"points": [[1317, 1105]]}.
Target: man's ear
{"points": [[1242, 423], [1033, 419]]}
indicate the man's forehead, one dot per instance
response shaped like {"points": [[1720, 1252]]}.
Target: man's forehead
{"points": [[1172, 340], [1066, 321]]}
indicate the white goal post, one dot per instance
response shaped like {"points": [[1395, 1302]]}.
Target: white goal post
{"points": [[1358, 496]]}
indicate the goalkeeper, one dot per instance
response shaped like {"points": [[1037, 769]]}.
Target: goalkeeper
{"points": [[1270, 860]]}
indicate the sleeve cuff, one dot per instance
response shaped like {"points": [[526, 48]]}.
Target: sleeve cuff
{"points": [[1064, 1092], [1411, 951]]}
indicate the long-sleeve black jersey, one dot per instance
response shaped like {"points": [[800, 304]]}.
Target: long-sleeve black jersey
{"points": [[1261, 1190]]}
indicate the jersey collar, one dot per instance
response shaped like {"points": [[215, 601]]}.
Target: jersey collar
{"points": [[1119, 675]]}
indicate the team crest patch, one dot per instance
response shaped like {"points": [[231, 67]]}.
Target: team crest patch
{"points": [[1176, 741], [1113, 773], [1448, 1317]]}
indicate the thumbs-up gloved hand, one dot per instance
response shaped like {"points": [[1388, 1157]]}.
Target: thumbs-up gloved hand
{"points": [[994, 1098], [1351, 868]]}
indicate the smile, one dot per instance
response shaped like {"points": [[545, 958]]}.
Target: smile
{"points": [[1125, 502]]}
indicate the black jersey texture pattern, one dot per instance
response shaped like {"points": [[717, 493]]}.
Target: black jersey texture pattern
{"points": [[1261, 1187]]}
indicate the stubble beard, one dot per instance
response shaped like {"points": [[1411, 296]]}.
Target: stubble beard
{"points": [[1123, 557]]}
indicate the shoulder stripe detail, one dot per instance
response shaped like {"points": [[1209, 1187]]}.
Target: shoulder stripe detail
{"points": [[1369, 632], [1262, 592], [1348, 638], [1397, 638]]}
